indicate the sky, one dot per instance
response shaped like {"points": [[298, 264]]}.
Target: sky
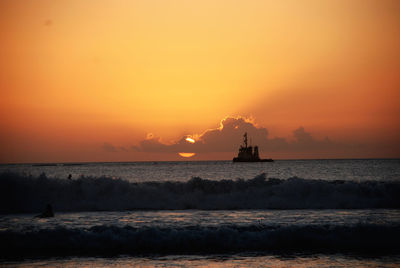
{"points": [[102, 80]]}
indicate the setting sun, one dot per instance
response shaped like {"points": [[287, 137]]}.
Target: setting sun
{"points": [[186, 154], [190, 140]]}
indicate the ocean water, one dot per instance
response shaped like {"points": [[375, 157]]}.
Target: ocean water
{"points": [[338, 169], [292, 213]]}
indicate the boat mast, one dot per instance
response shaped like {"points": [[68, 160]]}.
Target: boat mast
{"points": [[245, 139]]}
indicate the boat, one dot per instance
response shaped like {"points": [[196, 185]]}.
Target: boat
{"points": [[249, 153]]}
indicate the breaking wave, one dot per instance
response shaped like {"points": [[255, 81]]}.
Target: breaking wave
{"points": [[112, 240], [28, 194]]}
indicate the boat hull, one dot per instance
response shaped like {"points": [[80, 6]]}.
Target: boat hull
{"points": [[236, 159]]}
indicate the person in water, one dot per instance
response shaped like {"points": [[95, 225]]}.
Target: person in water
{"points": [[47, 213]]}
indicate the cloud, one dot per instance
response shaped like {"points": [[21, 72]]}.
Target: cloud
{"points": [[108, 147], [229, 135], [153, 144], [305, 142], [123, 149]]}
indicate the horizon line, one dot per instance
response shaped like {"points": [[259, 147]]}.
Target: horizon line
{"points": [[166, 161]]}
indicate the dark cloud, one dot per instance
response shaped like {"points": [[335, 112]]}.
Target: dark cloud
{"points": [[229, 136], [135, 148], [123, 149], [305, 142], [154, 145], [108, 147]]}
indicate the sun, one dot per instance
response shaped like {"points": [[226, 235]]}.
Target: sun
{"points": [[187, 154], [190, 140]]}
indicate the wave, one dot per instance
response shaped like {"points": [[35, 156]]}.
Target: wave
{"points": [[27, 194], [112, 240]]}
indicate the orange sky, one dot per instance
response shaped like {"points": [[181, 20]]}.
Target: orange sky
{"points": [[78, 74]]}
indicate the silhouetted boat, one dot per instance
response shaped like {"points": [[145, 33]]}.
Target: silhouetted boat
{"points": [[45, 165], [247, 154]]}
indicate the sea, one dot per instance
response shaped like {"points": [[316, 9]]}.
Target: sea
{"points": [[286, 213]]}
